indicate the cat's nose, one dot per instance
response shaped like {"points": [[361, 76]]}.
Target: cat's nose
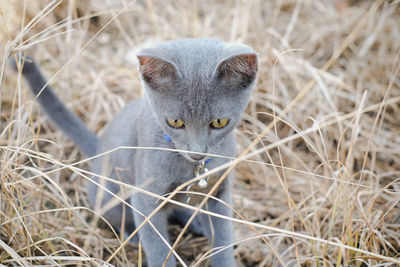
{"points": [[196, 156]]}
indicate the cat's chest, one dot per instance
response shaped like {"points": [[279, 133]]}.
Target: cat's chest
{"points": [[165, 171], [196, 181]]}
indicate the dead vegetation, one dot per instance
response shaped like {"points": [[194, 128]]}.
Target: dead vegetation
{"points": [[319, 146]]}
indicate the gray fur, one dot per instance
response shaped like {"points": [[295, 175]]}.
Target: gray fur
{"points": [[196, 81]]}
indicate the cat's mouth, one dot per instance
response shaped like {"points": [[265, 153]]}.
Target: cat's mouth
{"points": [[196, 157]]}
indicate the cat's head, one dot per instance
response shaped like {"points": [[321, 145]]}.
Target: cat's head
{"points": [[198, 90]]}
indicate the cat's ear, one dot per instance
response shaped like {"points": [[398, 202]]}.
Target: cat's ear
{"points": [[155, 71], [238, 69]]}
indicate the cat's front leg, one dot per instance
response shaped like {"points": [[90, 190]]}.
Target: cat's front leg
{"points": [[221, 231], [155, 248]]}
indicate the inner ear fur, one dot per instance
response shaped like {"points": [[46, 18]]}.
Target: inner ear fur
{"points": [[156, 70], [243, 66]]}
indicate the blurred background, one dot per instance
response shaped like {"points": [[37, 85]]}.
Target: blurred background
{"points": [[327, 103]]}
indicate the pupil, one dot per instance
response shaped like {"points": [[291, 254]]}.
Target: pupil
{"points": [[219, 121], [176, 121]]}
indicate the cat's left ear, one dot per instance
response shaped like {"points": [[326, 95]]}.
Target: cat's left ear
{"points": [[238, 69]]}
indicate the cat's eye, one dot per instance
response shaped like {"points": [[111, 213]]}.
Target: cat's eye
{"points": [[177, 124], [219, 123]]}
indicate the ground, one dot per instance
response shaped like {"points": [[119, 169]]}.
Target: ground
{"points": [[318, 181]]}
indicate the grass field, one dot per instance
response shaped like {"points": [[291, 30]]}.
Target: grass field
{"points": [[318, 180]]}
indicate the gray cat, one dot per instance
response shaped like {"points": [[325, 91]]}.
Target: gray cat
{"points": [[196, 91]]}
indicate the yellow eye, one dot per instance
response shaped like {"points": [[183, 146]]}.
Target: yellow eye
{"points": [[175, 123], [219, 123]]}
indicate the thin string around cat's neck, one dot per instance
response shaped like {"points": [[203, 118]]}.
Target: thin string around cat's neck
{"points": [[199, 169]]}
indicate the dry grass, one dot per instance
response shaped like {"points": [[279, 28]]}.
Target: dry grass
{"points": [[319, 175]]}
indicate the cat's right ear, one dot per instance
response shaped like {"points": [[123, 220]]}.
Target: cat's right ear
{"points": [[156, 72]]}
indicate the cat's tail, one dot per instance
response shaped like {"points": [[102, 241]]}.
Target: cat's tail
{"points": [[67, 121]]}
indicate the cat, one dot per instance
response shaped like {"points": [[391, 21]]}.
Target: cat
{"points": [[196, 91]]}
